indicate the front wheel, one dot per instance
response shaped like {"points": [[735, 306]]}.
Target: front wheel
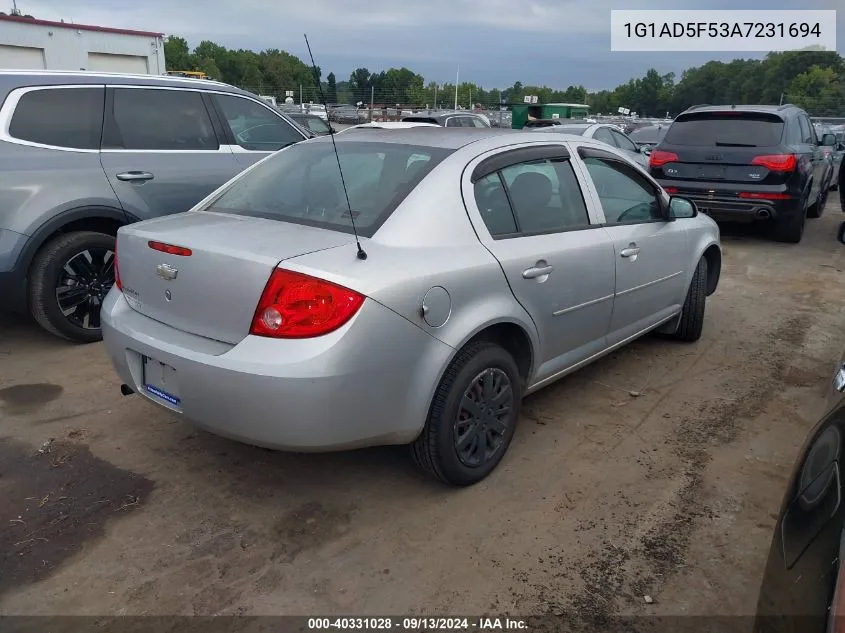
{"points": [[68, 280], [692, 314], [473, 416]]}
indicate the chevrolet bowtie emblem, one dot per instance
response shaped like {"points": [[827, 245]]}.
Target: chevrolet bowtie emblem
{"points": [[166, 272]]}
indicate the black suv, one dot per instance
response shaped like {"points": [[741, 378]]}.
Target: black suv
{"points": [[746, 163]]}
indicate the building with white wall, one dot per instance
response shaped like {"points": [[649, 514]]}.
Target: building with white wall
{"points": [[28, 43]]}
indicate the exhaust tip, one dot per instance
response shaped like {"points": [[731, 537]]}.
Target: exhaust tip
{"points": [[126, 390], [764, 214]]}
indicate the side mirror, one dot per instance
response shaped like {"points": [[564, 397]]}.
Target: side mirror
{"points": [[828, 140], [646, 149], [840, 235], [681, 208]]}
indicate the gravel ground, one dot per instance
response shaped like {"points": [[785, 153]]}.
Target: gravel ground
{"points": [[110, 506]]}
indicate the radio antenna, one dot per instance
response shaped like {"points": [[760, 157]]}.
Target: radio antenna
{"points": [[361, 253]]}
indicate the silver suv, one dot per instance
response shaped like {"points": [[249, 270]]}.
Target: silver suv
{"points": [[82, 154]]}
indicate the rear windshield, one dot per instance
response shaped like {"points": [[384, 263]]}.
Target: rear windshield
{"points": [[728, 129], [302, 184]]}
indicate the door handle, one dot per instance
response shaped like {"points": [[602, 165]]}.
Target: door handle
{"points": [[632, 251], [537, 271], [133, 176]]}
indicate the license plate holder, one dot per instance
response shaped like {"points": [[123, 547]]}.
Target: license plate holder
{"points": [[712, 172], [159, 381]]}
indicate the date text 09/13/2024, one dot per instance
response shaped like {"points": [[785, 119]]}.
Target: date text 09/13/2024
{"points": [[416, 623]]}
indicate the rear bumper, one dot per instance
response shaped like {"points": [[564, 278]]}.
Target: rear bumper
{"points": [[368, 383], [734, 209]]}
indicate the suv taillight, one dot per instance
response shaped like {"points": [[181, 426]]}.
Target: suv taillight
{"points": [[294, 305], [777, 162], [116, 270], [658, 158]]}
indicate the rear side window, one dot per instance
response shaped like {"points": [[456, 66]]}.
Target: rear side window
{"points": [[62, 117], [150, 119], [728, 129], [302, 184]]}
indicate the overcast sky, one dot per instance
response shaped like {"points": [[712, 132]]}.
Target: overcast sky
{"points": [[495, 42]]}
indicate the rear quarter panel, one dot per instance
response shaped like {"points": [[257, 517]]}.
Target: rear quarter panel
{"points": [[36, 185]]}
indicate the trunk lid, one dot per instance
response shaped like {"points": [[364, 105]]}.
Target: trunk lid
{"points": [[720, 147], [214, 291]]}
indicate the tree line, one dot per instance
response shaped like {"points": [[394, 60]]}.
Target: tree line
{"points": [[814, 80]]}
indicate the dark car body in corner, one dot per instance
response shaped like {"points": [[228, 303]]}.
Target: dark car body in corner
{"points": [[803, 585], [746, 163]]}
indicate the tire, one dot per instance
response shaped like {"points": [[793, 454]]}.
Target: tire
{"points": [[817, 208], [691, 323], [790, 229], [436, 450], [48, 270]]}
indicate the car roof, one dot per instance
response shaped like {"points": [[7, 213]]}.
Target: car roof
{"points": [[762, 108], [60, 77], [446, 138], [437, 114]]}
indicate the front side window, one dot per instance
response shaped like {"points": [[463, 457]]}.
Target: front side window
{"points": [[164, 120], [625, 195], [302, 184], [254, 126], [61, 117]]}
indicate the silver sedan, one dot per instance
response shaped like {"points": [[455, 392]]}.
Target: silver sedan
{"points": [[487, 265], [606, 133]]}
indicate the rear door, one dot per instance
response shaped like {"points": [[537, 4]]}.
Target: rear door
{"points": [[650, 253], [160, 150], [253, 128], [557, 260]]}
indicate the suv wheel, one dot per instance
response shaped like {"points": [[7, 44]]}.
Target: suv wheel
{"points": [[817, 208], [68, 281], [790, 228]]}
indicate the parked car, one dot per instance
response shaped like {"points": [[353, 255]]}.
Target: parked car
{"points": [[747, 163], [347, 114], [604, 132], [648, 137], [313, 123], [480, 272], [389, 125], [457, 118], [84, 153], [837, 157], [803, 585]]}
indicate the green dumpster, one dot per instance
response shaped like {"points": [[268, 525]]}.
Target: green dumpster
{"points": [[521, 112]]}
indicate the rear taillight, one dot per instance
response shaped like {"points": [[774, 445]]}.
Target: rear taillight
{"points": [[658, 158], [670, 190], [170, 249], [777, 162], [759, 195], [294, 305], [116, 270]]}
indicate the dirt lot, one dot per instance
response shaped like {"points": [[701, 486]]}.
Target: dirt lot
{"points": [[604, 497]]}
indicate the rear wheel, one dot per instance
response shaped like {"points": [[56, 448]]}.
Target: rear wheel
{"points": [[817, 208], [68, 280], [790, 228], [473, 416], [692, 315]]}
